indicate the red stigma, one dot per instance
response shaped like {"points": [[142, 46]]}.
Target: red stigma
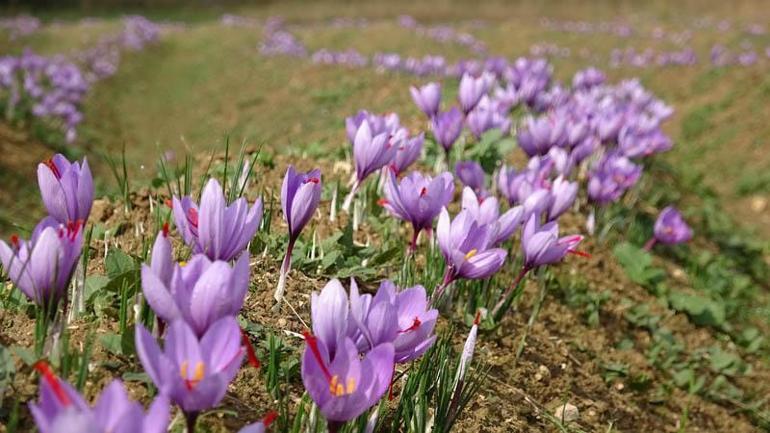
{"points": [[250, 353], [313, 180], [15, 241], [43, 368], [477, 319], [580, 253], [382, 201], [192, 216], [73, 228], [415, 324], [423, 191], [169, 203], [269, 418], [312, 343], [54, 169], [165, 230]]}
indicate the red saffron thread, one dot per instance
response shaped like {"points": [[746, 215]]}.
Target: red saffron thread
{"points": [[43, 368], [250, 353], [312, 343]]}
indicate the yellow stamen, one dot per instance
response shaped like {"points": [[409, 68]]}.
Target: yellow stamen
{"points": [[182, 264], [471, 253], [351, 385], [200, 369], [339, 390], [183, 369]]}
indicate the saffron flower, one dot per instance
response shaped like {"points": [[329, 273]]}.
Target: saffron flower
{"points": [[471, 90], [447, 127], [538, 135], [300, 195], [427, 98], [400, 317], [610, 179], [409, 149], [486, 211], [343, 385], [67, 189], [200, 292], [467, 249], [418, 199], [472, 175], [563, 194], [670, 229], [415, 319], [62, 409], [42, 267], [370, 153], [215, 229], [542, 245], [194, 373]]}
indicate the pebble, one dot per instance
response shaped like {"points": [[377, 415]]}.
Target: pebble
{"points": [[542, 373], [758, 204], [567, 413]]}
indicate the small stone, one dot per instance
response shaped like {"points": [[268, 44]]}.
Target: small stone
{"points": [[281, 323], [758, 204], [567, 413], [542, 373], [619, 386]]}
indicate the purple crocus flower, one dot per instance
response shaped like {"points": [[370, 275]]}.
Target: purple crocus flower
{"points": [[42, 267], [486, 211], [370, 153], [467, 249], [300, 195], [611, 177], [670, 229], [471, 91], [542, 245], [472, 175], [427, 98], [67, 189], [194, 373], [200, 291], [563, 194], [417, 199], [480, 120], [62, 409], [409, 149], [344, 385], [588, 78], [447, 127], [215, 229], [539, 135], [402, 317]]}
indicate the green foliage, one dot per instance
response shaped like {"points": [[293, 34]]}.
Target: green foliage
{"points": [[638, 265]]}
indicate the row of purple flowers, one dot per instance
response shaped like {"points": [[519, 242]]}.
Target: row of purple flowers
{"points": [[52, 89]]}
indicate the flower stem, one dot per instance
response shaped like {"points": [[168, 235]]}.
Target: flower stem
{"points": [[448, 279], [192, 419], [413, 243], [334, 426], [513, 291], [651, 243], [351, 195], [285, 268]]}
